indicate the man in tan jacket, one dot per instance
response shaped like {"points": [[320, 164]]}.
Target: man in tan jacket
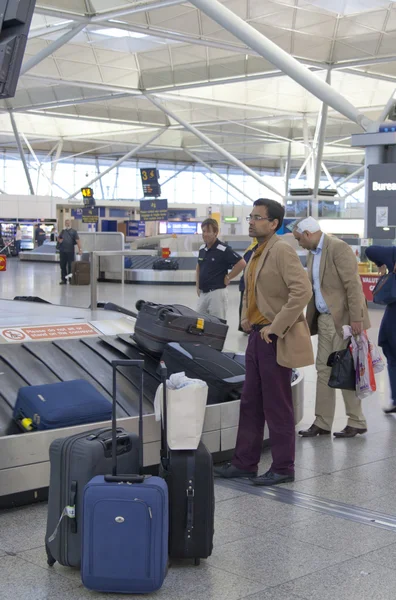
{"points": [[276, 293], [338, 300]]}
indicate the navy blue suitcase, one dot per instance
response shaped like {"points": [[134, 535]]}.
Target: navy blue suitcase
{"points": [[62, 404], [125, 524]]}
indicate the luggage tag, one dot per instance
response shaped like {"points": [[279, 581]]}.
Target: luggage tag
{"points": [[68, 511]]}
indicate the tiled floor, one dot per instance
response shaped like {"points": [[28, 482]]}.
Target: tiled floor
{"points": [[264, 550]]}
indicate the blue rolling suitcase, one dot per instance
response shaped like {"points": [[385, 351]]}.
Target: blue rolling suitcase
{"points": [[63, 404], [125, 524]]}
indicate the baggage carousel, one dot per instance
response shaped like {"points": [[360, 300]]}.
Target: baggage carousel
{"points": [[80, 344]]}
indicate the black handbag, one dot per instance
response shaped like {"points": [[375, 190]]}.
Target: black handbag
{"points": [[343, 372], [384, 292]]}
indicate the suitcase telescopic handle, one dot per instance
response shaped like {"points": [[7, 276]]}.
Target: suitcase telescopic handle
{"points": [[126, 363], [164, 428]]}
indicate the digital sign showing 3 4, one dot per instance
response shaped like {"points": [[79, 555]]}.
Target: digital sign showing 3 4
{"points": [[151, 187]]}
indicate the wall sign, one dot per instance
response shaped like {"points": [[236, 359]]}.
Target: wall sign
{"points": [[90, 215], [381, 201], [154, 210]]}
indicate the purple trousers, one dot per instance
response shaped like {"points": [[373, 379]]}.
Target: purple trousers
{"points": [[266, 398]]}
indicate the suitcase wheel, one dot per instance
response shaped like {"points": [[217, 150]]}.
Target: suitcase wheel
{"points": [[50, 559], [197, 561]]}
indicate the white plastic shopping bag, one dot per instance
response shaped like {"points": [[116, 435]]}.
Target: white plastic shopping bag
{"points": [[367, 361], [186, 406]]}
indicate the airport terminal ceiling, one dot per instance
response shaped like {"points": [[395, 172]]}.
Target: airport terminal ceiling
{"points": [[97, 73]]}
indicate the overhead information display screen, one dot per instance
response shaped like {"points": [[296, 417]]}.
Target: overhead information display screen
{"points": [[151, 187]]}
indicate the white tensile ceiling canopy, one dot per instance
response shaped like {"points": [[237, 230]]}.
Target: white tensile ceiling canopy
{"points": [[349, 7], [91, 88]]}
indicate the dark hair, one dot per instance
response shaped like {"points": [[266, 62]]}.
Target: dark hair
{"points": [[275, 210], [211, 223]]}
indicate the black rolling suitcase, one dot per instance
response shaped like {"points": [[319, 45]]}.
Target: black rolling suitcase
{"points": [[158, 324], [74, 462], [225, 377], [189, 475]]}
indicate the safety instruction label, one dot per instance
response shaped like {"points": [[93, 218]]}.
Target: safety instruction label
{"points": [[46, 332]]}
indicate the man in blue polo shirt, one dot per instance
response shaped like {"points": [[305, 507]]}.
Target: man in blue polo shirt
{"points": [[212, 276]]}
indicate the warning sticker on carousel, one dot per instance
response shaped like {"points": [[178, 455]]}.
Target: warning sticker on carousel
{"points": [[46, 332]]}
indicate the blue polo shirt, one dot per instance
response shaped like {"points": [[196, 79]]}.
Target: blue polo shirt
{"points": [[214, 264]]}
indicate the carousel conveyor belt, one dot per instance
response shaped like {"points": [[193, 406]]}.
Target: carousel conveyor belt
{"points": [[64, 367], [112, 351], [100, 369]]}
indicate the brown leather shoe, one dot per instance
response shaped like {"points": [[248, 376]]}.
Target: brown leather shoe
{"points": [[313, 431], [348, 432]]}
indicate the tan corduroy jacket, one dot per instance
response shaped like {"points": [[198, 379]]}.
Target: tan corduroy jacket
{"points": [[283, 291], [341, 286]]}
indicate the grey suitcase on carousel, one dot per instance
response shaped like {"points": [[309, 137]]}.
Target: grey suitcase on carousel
{"points": [[159, 324], [74, 461]]}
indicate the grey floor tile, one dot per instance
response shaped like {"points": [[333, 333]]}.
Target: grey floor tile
{"points": [[223, 493], [23, 528], [385, 504], [22, 580], [273, 559], [326, 458], [274, 593], [356, 579], [339, 534], [260, 512], [227, 530], [184, 581], [378, 473], [386, 557], [38, 557], [333, 487]]}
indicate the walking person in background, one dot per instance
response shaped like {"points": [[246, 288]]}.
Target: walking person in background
{"points": [[18, 239], [67, 240], [212, 277], [385, 259], [246, 257], [338, 300], [39, 235]]}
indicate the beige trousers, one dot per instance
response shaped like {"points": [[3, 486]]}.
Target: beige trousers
{"points": [[329, 341], [214, 303]]}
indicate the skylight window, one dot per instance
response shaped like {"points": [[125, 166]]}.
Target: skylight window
{"points": [[119, 33]]}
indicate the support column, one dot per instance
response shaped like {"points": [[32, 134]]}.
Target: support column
{"points": [[212, 144], [120, 160], [319, 150], [288, 170], [281, 59], [21, 153], [54, 163], [309, 154], [100, 180]]}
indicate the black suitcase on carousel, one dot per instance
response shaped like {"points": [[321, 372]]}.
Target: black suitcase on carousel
{"points": [[225, 377], [166, 264], [158, 324], [189, 475]]}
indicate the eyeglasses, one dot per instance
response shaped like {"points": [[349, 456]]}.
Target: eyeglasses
{"points": [[257, 218]]}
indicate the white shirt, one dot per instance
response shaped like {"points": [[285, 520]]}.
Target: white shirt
{"points": [[319, 300]]}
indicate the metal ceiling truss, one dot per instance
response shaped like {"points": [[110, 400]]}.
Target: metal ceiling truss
{"points": [[253, 43]]}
